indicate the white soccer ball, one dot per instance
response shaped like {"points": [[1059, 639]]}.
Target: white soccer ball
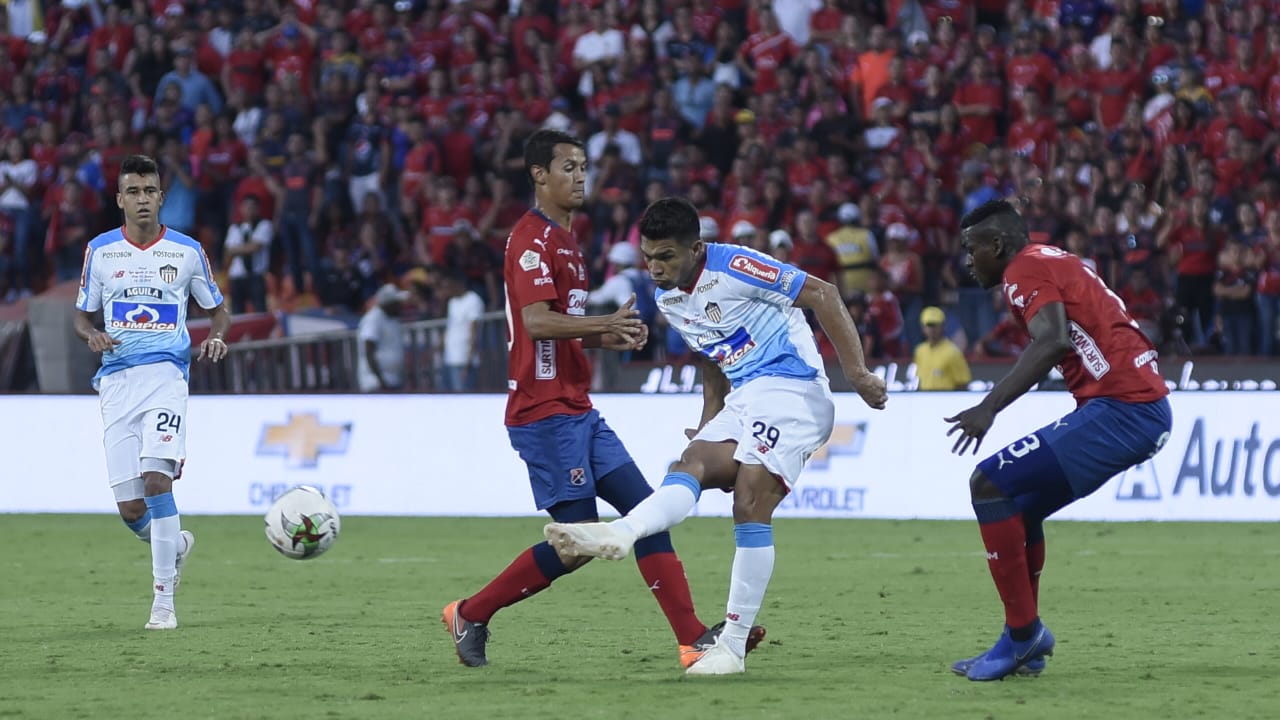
{"points": [[302, 523]]}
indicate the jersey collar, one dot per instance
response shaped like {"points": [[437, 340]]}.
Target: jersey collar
{"points": [[702, 266], [148, 246]]}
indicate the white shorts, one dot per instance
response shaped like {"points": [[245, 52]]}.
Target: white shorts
{"points": [[144, 414], [777, 422]]}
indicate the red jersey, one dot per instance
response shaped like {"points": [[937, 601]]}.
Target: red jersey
{"points": [[543, 263], [1112, 357]]}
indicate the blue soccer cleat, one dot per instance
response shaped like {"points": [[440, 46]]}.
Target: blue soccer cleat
{"points": [[1031, 669], [1007, 655]]}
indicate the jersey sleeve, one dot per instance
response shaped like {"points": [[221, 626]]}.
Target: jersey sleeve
{"points": [[528, 273], [203, 287], [1030, 284], [89, 298], [757, 275]]}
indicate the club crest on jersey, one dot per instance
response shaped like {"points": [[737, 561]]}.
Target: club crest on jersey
{"points": [[578, 477], [168, 273], [713, 312], [754, 268]]}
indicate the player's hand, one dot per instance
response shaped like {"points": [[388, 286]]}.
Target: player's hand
{"points": [[870, 387], [624, 343], [973, 425], [100, 341], [625, 320], [214, 348]]}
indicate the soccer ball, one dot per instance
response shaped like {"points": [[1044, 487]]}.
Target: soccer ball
{"points": [[302, 523]]}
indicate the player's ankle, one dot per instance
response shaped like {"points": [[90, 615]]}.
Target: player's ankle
{"points": [[626, 527]]}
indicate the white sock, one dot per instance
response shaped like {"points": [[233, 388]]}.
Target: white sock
{"points": [[665, 508], [752, 568], [166, 534]]}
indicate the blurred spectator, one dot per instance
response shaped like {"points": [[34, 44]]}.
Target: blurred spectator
{"points": [[462, 333], [1266, 259], [1234, 288], [781, 245], [940, 365], [1145, 305], [628, 278], [70, 228], [247, 250], [1006, 340], [856, 250], [18, 176], [885, 312], [380, 339]]}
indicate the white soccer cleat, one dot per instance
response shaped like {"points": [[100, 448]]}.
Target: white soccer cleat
{"points": [[182, 557], [719, 660], [162, 619], [595, 539]]}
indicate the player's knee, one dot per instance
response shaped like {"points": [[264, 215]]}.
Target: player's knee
{"points": [[688, 465], [155, 482], [131, 511], [981, 487]]}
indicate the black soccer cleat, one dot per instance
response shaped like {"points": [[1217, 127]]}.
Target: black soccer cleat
{"points": [[469, 638]]}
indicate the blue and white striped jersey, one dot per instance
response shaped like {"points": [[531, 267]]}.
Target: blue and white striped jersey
{"points": [[740, 314], [143, 294]]}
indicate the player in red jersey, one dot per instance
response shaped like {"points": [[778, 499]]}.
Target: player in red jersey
{"points": [[1122, 417], [572, 455]]}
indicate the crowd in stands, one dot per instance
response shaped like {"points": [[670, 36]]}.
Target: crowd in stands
{"points": [[321, 148]]}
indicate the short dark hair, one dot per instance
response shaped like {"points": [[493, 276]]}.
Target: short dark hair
{"points": [[540, 148], [671, 218], [139, 165], [1004, 218]]}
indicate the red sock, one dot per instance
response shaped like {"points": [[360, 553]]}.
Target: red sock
{"points": [[1035, 563], [522, 578], [1006, 542], [665, 575]]}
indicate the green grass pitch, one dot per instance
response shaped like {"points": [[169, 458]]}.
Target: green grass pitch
{"points": [[1153, 621]]}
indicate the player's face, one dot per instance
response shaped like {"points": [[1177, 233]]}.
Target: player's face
{"points": [[564, 181], [140, 198], [671, 264], [982, 257]]}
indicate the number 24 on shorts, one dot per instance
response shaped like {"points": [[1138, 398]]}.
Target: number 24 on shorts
{"points": [[167, 422]]}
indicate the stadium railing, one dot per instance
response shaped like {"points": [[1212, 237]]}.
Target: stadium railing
{"points": [[327, 362]]}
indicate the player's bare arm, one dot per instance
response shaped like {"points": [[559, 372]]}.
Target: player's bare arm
{"points": [[543, 323], [824, 299], [715, 387], [214, 347], [1050, 340], [85, 324]]}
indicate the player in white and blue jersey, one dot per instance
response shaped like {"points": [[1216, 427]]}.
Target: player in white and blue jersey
{"points": [[140, 277], [766, 402]]}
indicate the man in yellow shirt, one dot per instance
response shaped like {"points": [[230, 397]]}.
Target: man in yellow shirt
{"points": [[939, 363]]}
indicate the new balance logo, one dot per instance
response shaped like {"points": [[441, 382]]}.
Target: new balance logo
{"points": [[654, 586], [993, 556], [731, 616]]}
